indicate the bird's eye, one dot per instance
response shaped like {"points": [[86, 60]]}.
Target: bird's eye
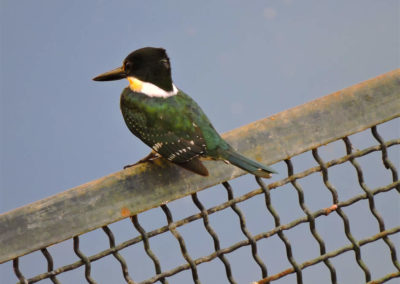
{"points": [[128, 66], [165, 62]]}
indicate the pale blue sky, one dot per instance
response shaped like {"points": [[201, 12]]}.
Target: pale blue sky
{"points": [[240, 60]]}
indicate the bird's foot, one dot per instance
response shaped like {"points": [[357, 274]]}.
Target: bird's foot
{"points": [[149, 158]]}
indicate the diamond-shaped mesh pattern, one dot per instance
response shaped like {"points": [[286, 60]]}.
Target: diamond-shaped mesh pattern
{"points": [[326, 261]]}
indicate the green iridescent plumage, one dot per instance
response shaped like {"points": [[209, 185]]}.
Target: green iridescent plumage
{"points": [[175, 126]]}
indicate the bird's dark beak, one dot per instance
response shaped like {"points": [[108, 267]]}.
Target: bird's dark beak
{"points": [[116, 74]]}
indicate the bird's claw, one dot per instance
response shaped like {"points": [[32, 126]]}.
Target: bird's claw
{"points": [[128, 166], [149, 158]]}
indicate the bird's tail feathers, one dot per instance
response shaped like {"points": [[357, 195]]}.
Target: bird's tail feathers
{"points": [[247, 164]]}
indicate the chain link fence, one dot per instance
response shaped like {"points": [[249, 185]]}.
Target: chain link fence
{"points": [[331, 215]]}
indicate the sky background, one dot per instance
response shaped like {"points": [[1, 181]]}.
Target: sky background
{"points": [[240, 60]]}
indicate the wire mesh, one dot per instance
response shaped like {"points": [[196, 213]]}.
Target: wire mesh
{"points": [[262, 256]]}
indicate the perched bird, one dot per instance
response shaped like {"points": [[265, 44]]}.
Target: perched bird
{"points": [[167, 119]]}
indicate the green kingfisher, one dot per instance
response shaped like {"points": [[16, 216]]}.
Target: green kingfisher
{"points": [[167, 119]]}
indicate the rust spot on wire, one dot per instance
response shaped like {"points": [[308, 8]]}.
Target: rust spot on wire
{"points": [[275, 277], [330, 209]]}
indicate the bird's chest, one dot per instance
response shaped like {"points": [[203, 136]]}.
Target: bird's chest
{"points": [[139, 113], [145, 116]]}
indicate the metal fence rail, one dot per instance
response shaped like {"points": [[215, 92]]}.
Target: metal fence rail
{"points": [[330, 120]]}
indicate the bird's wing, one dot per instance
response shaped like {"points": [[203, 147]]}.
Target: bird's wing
{"points": [[180, 147], [169, 132], [184, 149], [177, 146]]}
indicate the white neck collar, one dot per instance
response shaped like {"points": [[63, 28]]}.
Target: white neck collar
{"points": [[150, 89]]}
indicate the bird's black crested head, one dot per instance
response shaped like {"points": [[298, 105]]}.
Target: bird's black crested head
{"points": [[150, 64]]}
